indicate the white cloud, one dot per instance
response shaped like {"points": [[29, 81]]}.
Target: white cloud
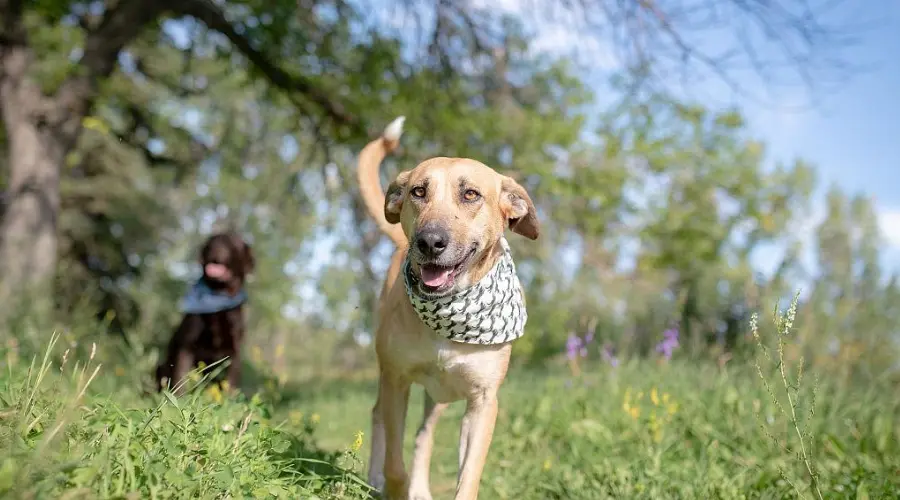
{"points": [[889, 221], [559, 33]]}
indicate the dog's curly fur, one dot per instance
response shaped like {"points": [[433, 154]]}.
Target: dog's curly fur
{"points": [[209, 338]]}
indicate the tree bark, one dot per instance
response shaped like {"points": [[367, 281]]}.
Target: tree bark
{"points": [[42, 130], [28, 230]]}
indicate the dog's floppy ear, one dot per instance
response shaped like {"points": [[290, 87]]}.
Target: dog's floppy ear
{"points": [[201, 255], [393, 200], [249, 259], [517, 207]]}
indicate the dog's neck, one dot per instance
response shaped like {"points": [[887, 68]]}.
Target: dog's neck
{"points": [[201, 299], [490, 311]]}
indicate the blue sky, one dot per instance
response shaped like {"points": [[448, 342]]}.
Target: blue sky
{"points": [[851, 134]]}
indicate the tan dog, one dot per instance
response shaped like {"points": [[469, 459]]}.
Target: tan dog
{"points": [[452, 213]]}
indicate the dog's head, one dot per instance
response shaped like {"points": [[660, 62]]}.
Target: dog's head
{"points": [[227, 260], [454, 211]]}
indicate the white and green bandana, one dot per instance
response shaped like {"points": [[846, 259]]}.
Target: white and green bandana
{"points": [[490, 312]]}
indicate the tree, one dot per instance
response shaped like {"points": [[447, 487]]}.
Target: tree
{"points": [[44, 119], [852, 302], [43, 124]]}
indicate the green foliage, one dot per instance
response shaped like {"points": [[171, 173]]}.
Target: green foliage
{"points": [[640, 430], [58, 437], [648, 430]]}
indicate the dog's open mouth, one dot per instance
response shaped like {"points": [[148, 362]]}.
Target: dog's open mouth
{"points": [[436, 278], [217, 272]]}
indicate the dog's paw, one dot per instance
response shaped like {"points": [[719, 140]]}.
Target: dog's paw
{"points": [[377, 483], [419, 493]]}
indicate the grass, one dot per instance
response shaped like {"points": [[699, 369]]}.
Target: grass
{"points": [[71, 428]]}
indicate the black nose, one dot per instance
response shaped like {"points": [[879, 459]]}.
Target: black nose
{"points": [[432, 241]]}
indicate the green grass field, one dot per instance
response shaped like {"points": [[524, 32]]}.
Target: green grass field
{"points": [[642, 430]]}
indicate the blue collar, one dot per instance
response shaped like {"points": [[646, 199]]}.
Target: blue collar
{"points": [[201, 299]]}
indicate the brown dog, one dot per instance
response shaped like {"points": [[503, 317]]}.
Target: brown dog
{"points": [[452, 213], [213, 325]]}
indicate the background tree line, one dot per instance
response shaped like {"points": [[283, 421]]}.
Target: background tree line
{"points": [[133, 129]]}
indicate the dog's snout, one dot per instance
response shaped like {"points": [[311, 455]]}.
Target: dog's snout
{"points": [[432, 241]]}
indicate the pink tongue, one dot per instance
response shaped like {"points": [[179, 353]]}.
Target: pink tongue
{"points": [[216, 270], [436, 276]]}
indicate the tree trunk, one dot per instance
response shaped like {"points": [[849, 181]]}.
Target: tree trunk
{"points": [[42, 130], [28, 245]]}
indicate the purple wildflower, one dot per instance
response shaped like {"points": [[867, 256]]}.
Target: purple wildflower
{"points": [[589, 336], [609, 356], [669, 343], [573, 346]]}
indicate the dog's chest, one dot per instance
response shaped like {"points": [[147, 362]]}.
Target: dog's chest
{"points": [[449, 371], [443, 375]]}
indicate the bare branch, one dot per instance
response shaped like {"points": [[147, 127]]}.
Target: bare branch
{"points": [[662, 42], [120, 25], [214, 18], [12, 29], [184, 162]]}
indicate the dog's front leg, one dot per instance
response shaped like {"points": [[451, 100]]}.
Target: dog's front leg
{"points": [[183, 364], [234, 371], [475, 439], [393, 399], [376, 456], [421, 464]]}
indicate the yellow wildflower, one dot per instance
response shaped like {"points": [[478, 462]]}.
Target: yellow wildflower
{"points": [[296, 417], [654, 397], [357, 443], [672, 408], [215, 393], [665, 398], [314, 418], [635, 412], [547, 464], [225, 385], [655, 429]]}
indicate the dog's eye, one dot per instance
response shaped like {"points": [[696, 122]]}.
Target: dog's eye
{"points": [[471, 195], [418, 192]]}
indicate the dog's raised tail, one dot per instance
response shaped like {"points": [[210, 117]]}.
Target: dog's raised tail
{"points": [[368, 166]]}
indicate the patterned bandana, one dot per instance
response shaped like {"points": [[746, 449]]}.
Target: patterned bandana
{"points": [[490, 312], [201, 299]]}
